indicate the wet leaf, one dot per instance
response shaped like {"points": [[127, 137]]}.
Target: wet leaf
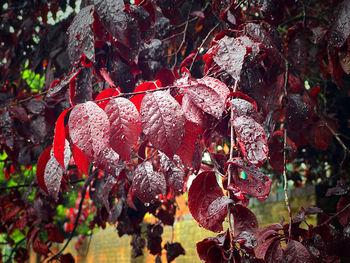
{"points": [[207, 203], [257, 184], [60, 138], [148, 184], [296, 252], [89, 128], [163, 121], [251, 140], [340, 28], [125, 126], [174, 173], [81, 37]]}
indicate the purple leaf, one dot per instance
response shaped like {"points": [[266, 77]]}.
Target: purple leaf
{"points": [[296, 253], [251, 140], [163, 121], [207, 203], [148, 184], [81, 37], [59, 86], [174, 173], [340, 28], [257, 184], [243, 107], [125, 126], [80, 88], [229, 54], [54, 171], [36, 106], [89, 129], [209, 95]]}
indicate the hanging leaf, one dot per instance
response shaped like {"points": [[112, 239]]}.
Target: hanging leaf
{"points": [[80, 160], [60, 138], [207, 203], [251, 140], [174, 173], [241, 107], [89, 129], [257, 184], [104, 95], [208, 94], [148, 184], [54, 171], [340, 28], [40, 168], [81, 38], [296, 253], [125, 126], [137, 99], [163, 121]]}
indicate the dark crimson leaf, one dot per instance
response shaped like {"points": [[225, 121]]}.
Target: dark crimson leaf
{"points": [[125, 126], [122, 76], [208, 94], [264, 245], [58, 86], [137, 99], [190, 150], [38, 129], [165, 76], [148, 184], [81, 37], [122, 27], [54, 234], [296, 253], [67, 258], [344, 59], [297, 51], [207, 203], [40, 247], [173, 250], [104, 94], [318, 134], [211, 251], [344, 217], [241, 107], [60, 138], [244, 220], [174, 173], [340, 189], [54, 171], [257, 184], [36, 106], [80, 87], [245, 226], [108, 161], [19, 112], [274, 254], [144, 20], [40, 170], [251, 140], [340, 28], [229, 54], [80, 159], [89, 129], [193, 114], [163, 121]]}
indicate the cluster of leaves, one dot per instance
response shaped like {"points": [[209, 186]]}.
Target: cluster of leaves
{"points": [[140, 103]]}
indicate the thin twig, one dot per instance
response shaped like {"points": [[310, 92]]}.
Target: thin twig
{"points": [[83, 193], [332, 217], [285, 183], [203, 42]]}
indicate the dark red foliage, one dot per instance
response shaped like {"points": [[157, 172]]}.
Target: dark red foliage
{"points": [[160, 91]]}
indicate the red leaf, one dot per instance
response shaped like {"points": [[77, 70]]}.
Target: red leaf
{"points": [[67, 258], [229, 53], [81, 37], [54, 234], [148, 184], [125, 126], [80, 159], [174, 173], [296, 253], [257, 185], [251, 140], [344, 217], [207, 203], [107, 78], [59, 139], [190, 151], [340, 28], [137, 99], [40, 168], [163, 121], [241, 107], [104, 94], [165, 76], [89, 129], [209, 95], [244, 220], [54, 172], [40, 247]]}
